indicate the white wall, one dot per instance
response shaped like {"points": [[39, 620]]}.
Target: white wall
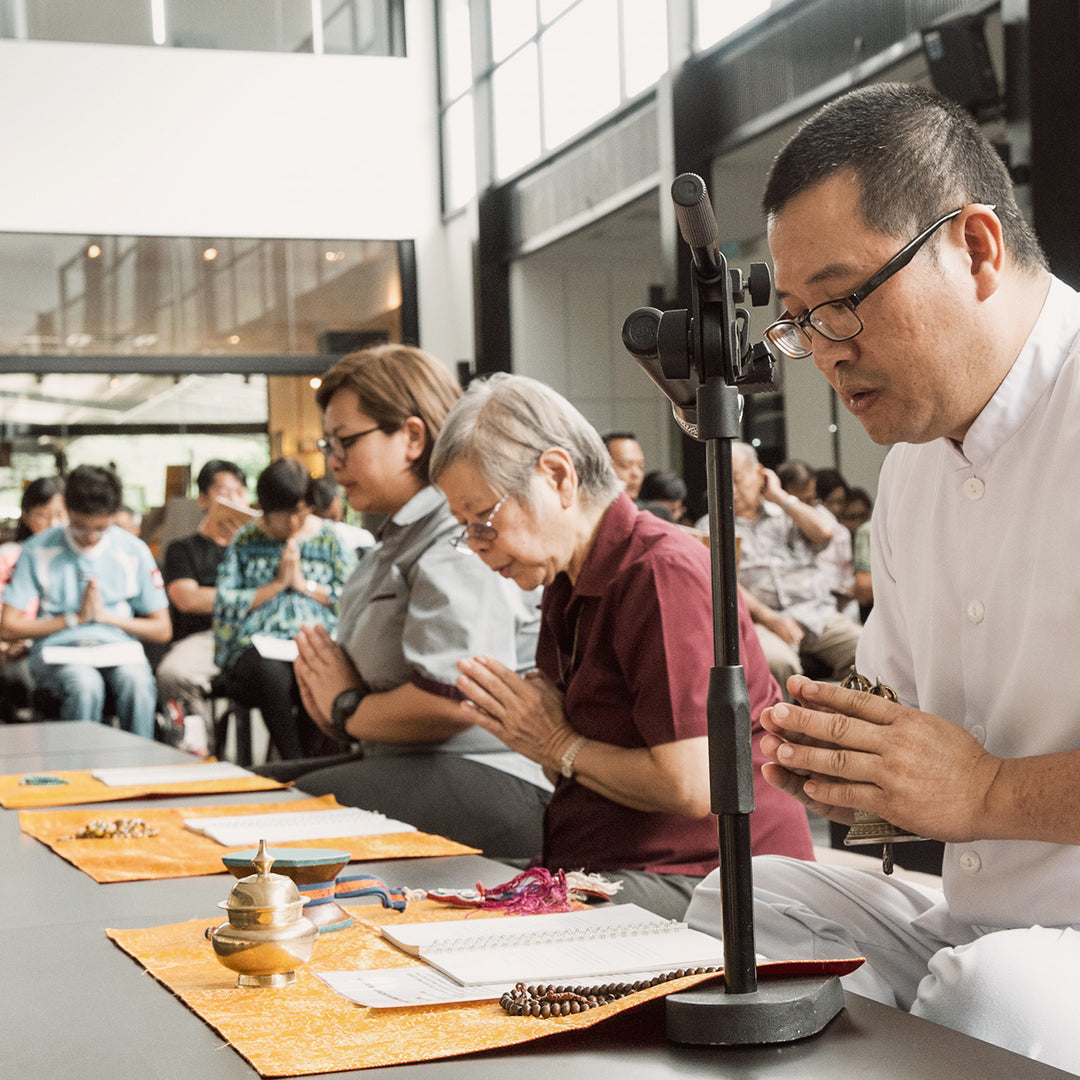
{"points": [[566, 322], [189, 142]]}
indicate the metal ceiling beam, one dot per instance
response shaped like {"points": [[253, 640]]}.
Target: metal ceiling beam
{"points": [[81, 364]]}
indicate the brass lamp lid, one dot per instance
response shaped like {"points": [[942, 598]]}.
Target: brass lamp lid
{"points": [[264, 891]]}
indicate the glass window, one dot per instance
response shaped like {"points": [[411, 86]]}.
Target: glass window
{"points": [[117, 22], [162, 295], [515, 93], [717, 21], [455, 48], [581, 69], [549, 9], [349, 26], [459, 153], [645, 43], [513, 22], [265, 26]]}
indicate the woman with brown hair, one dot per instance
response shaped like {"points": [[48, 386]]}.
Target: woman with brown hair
{"points": [[414, 607]]}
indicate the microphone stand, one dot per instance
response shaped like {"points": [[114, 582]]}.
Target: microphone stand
{"points": [[701, 359]]}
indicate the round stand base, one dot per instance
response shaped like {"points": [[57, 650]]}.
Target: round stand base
{"points": [[282, 979], [780, 1010]]}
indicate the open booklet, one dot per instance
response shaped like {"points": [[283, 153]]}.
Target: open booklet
{"points": [[611, 940], [246, 830], [235, 513]]}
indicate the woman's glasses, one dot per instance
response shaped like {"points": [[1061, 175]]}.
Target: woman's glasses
{"points": [[338, 447], [476, 532]]}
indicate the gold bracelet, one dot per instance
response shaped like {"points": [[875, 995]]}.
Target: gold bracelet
{"points": [[566, 762]]}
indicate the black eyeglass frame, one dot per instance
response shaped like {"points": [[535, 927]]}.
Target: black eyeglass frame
{"points": [[345, 443], [774, 333]]}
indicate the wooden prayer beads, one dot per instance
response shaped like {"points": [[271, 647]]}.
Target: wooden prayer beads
{"points": [[544, 1001]]}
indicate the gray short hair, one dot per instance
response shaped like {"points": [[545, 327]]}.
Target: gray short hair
{"points": [[743, 451], [502, 424]]}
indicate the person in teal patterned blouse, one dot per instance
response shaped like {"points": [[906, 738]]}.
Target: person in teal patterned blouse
{"points": [[281, 573]]}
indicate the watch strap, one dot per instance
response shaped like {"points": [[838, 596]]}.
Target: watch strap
{"points": [[345, 704]]}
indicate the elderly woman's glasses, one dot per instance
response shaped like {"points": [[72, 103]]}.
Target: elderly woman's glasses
{"points": [[476, 533], [338, 448], [837, 320]]}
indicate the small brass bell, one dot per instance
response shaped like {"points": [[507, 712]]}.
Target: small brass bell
{"points": [[267, 937], [868, 828]]}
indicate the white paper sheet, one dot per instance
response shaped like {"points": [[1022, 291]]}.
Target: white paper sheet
{"points": [[274, 648], [396, 988], [169, 774], [246, 830], [106, 654]]}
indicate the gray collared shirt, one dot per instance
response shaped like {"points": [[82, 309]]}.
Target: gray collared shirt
{"points": [[415, 606], [779, 566]]}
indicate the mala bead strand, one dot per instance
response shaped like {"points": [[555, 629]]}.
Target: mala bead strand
{"points": [[544, 1001]]}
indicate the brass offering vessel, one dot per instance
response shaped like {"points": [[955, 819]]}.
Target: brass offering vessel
{"points": [[267, 936], [869, 828]]}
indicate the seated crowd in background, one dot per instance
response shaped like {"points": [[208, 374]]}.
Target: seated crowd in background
{"points": [[90, 583], [41, 507], [789, 595], [190, 567], [797, 478], [284, 571], [627, 459], [664, 492]]}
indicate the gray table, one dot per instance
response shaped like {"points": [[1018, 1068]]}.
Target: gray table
{"points": [[71, 1003]]}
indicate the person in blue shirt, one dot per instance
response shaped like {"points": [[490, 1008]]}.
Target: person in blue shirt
{"points": [[93, 584]]}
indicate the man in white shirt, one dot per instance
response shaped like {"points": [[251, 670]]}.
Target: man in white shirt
{"points": [[911, 278]]}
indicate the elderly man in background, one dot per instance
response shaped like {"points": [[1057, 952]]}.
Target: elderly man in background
{"points": [[788, 593], [627, 459]]}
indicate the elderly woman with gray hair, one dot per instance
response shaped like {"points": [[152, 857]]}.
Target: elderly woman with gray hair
{"points": [[615, 713]]}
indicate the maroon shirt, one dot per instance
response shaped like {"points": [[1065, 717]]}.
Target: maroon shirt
{"points": [[631, 646]]}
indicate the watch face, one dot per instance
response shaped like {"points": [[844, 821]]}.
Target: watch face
{"points": [[344, 706]]}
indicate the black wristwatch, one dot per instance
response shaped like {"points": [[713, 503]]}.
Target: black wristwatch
{"points": [[345, 704]]}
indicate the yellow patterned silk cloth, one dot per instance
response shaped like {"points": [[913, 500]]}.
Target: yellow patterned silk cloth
{"points": [[308, 1028], [178, 852], [81, 788]]}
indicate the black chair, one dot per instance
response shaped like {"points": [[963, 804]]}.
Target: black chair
{"points": [[223, 711]]}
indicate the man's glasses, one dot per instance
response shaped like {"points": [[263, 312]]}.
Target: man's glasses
{"points": [[476, 533], [837, 320], [338, 448]]}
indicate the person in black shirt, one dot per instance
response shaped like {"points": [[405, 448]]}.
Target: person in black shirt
{"points": [[190, 572]]}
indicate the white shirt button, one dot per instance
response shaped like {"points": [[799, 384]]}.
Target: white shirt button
{"points": [[978, 733], [976, 611], [974, 488], [970, 862]]}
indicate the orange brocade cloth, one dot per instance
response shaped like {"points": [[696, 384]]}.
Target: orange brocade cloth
{"points": [[308, 1028], [81, 787], [178, 852]]}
